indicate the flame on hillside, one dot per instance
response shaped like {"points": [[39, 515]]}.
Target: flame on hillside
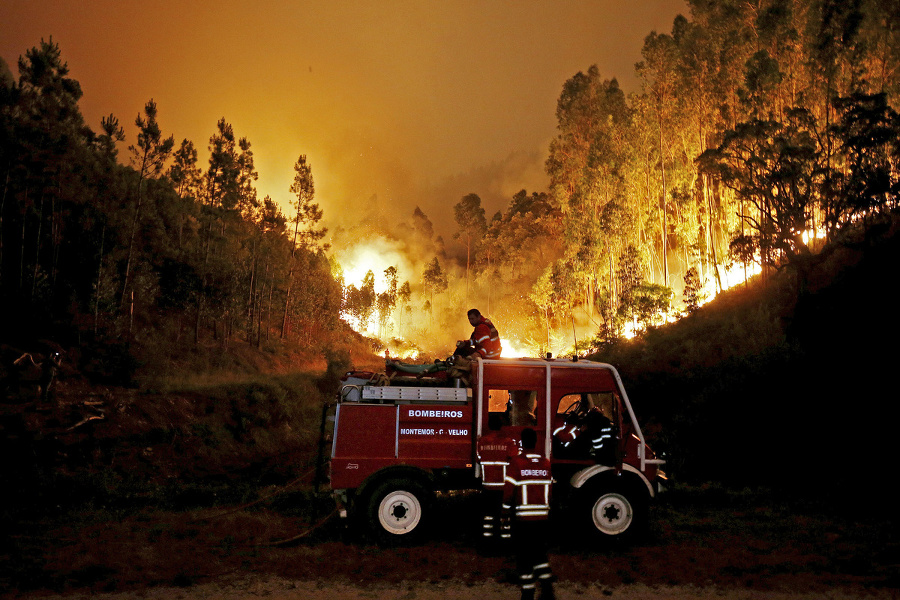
{"points": [[411, 330], [375, 255]]}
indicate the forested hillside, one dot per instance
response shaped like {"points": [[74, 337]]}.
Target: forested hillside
{"points": [[762, 130], [102, 249]]}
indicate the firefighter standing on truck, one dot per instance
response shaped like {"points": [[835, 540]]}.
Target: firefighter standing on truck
{"points": [[526, 499]]}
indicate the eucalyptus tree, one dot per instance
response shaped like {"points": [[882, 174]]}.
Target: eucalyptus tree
{"points": [[658, 74], [423, 228], [434, 280], [699, 86], [693, 290], [404, 294], [362, 301], [469, 215], [387, 300], [541, 295], [881, 31], [778, 169], [589, 164], [868, 130]]}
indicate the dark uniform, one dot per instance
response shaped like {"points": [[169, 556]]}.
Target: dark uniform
{"points": [[593, 435], [526, 494]]}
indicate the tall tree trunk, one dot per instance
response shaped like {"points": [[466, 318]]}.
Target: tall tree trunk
{"points": [[203, 275], [2, 207], [21, 285], [131, 236], [269, 308], [711, 234], [37, 246], [55, 236], [287, 295], [99, 279], [287, 299], [665, 223], [252, 293], [468, 253]]}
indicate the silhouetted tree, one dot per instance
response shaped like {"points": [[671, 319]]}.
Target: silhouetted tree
{"points": [[469, 216], [148, 157]]}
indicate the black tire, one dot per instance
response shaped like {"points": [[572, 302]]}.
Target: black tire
{"points": [[615, 510], [397, 511]]}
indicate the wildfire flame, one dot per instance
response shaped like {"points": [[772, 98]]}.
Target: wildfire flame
{"points": [[377, 254], [510, 350]]}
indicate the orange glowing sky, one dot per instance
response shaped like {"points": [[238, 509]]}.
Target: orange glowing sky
{"points": [[414, 102]]}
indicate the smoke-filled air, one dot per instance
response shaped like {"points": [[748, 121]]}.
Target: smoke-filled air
{"points": [[734, 141]]}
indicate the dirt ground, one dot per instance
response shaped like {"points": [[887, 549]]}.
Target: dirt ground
{"points": [[701, 543], [250, 588]]}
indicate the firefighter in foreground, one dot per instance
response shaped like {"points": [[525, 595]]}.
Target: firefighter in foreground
{"points": [[526, 499], [494, 450]]}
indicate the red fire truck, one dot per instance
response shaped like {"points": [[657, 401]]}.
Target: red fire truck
{"points": [[398, 440]]}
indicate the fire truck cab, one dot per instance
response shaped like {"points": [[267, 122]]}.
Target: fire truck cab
{"points": [[399, 440]]}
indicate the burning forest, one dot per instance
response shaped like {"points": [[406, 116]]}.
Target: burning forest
{"points": [[755, 139]]}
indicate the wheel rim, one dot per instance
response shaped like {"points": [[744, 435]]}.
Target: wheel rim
{"points": [[399, 512], [612, 514]]}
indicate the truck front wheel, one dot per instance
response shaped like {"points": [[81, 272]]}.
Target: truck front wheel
{"points": [[396, 511], [616, 512]]}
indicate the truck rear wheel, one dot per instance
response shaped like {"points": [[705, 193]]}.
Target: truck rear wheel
{"points": [[616, 511], [397, 511]]}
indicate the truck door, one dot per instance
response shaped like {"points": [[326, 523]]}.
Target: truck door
{"points": [[586, 427]]}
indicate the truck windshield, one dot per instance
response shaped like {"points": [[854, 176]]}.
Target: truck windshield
{"points": [[602, 401]]}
